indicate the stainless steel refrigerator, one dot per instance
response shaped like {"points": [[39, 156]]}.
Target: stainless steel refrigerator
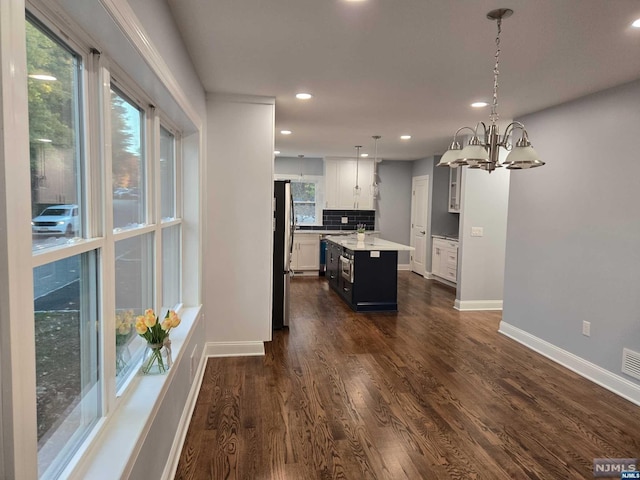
{"points": [[284, 224]]}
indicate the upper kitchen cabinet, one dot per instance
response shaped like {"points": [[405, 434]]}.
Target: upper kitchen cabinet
{"points": [[340, 180], [455, 177]]}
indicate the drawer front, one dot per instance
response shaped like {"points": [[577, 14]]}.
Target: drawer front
{"points": [[452, 258], [451, 274]]}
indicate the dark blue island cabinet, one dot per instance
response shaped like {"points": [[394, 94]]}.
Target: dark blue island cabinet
{"points": [[366, 278]]}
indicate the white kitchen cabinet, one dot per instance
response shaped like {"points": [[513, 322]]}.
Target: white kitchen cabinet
{"points": [[340, 180], [306, 252], [455, 177], [444, 259]]}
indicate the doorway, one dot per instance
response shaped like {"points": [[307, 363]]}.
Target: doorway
{"points": [[419, 223]]}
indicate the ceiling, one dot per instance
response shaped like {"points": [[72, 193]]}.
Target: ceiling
{"points": [[393, 67]]}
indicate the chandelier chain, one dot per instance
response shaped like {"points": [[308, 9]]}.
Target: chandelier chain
{"points": [[494, 106]]}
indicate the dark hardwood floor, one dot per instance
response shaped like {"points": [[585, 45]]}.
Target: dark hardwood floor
{"points": [[427, 393]]}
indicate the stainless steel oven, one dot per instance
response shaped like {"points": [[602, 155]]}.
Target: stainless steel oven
{"points": [[346, 266]]}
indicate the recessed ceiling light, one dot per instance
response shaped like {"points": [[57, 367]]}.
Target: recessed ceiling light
{"points": [[636, 23], [285, 132], [276, 152], [42, 76], [303, 96], [479, 104], [364, 154], [405, 137]]}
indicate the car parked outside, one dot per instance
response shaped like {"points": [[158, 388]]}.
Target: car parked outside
{"points": [[57, 220]]}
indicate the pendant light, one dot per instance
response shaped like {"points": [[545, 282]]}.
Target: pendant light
{"points": [[301, 174], [482, 151], [357, 189], [375, 191]]}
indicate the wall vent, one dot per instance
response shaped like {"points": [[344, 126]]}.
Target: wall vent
{"points": [[631, 363]]}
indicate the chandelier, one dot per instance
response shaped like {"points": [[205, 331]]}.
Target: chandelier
{"points": [[483, 148]]}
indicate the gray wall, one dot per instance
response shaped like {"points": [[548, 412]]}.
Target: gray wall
{"points": [[297, 166], [393, 212], [573, 241]]}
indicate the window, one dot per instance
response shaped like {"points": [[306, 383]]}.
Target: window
{"points": [[304, 201], [55, 143], [128, 163], [67, 361], [171, 278], [134, 294], [65, 282], [97, 262]]}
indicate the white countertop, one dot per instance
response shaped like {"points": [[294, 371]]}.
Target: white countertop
{"points": [[332, 232], [370, 244], [446, 237]]}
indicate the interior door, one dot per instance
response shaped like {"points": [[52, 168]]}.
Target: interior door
{"points": [[419, 222]]}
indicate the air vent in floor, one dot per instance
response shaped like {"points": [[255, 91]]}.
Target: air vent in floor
{"points": [[631, 363]]}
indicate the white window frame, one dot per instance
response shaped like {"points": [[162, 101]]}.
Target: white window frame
{"points": [[319, 182]]}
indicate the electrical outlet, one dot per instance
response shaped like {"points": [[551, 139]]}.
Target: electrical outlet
{"points": [[344, 219], [586, 329], [477, 231]]}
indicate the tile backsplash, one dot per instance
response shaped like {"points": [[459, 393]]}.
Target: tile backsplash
{"points": [[332, 220]]}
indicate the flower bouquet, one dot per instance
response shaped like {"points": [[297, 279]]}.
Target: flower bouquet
{"points": [[157, 358], [361, 228]]}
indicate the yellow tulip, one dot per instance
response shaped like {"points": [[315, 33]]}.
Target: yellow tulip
{"points": [[141, 328], [150, 319], [175, 319], [166, 324]]}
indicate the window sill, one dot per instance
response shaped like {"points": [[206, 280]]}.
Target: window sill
{"points": [[113, 448]]}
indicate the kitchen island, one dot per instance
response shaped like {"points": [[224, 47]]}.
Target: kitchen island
{"points": [[364, 274]]}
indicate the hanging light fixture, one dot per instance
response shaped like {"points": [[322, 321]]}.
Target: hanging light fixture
{"points": [[301, 174], [374, 186], [357, 189], [482, 151]]}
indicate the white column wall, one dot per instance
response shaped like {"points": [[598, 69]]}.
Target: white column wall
{"points": [[485, 199], [239, 213]]}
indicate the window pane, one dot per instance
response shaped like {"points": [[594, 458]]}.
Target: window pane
{"points": [[127, 163], [67, 389], [54, 138], [304, 202], [171, 266], [134, 294], [167, 175]]}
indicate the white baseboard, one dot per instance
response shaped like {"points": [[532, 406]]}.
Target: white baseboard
{"points": [[404, 266], [185, 419], [233, 349], [473, 305], [606, 379]]}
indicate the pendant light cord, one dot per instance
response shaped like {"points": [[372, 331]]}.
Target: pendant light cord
{"points": [[494, 106]]}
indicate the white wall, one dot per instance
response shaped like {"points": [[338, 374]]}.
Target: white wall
{"points": [[485, 199], [573, 243], [239, 212]]}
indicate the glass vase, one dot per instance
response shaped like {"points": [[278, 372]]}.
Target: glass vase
{"points": [[123, 357], [156, 358]]}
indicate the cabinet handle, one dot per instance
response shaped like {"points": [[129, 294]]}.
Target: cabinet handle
{"points": [[332, 277], [345, 289]]}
